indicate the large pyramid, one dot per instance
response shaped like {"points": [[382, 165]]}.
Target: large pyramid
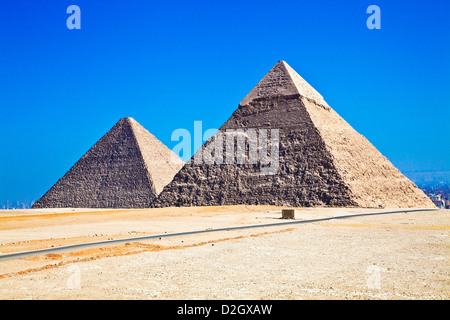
{"points": [[127, 168], [321, 160]]}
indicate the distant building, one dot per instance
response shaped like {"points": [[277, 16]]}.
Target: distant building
{"points": [[439, 203], [435, 197], [447, 204], [439, 194]]}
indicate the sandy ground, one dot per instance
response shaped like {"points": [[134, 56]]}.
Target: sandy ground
{"points": [[395, 256]]}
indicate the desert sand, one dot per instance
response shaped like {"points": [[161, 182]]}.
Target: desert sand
{"points": [[391, 256]]}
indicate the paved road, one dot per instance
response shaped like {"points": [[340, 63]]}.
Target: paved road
{"points": [[24, 254]]}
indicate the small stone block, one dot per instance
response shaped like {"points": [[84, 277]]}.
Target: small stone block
{"points": [[288, 214]]}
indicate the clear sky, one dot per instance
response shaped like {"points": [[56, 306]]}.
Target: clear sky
{"points": [[170, 63]]}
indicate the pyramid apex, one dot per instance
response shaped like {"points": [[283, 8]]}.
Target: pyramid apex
{"points": [[283, 80], [126, 119]]}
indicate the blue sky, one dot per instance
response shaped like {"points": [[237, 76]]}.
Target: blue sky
{"points": [[170, 63]]}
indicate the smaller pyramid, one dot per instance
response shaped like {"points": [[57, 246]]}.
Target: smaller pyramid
{"points": [[127, 168]]}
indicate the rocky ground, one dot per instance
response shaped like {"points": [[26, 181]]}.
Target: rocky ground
{"points": [[392, 256]]}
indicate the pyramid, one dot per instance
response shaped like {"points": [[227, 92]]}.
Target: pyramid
{"points": [[322, 160], [127, 168]]}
